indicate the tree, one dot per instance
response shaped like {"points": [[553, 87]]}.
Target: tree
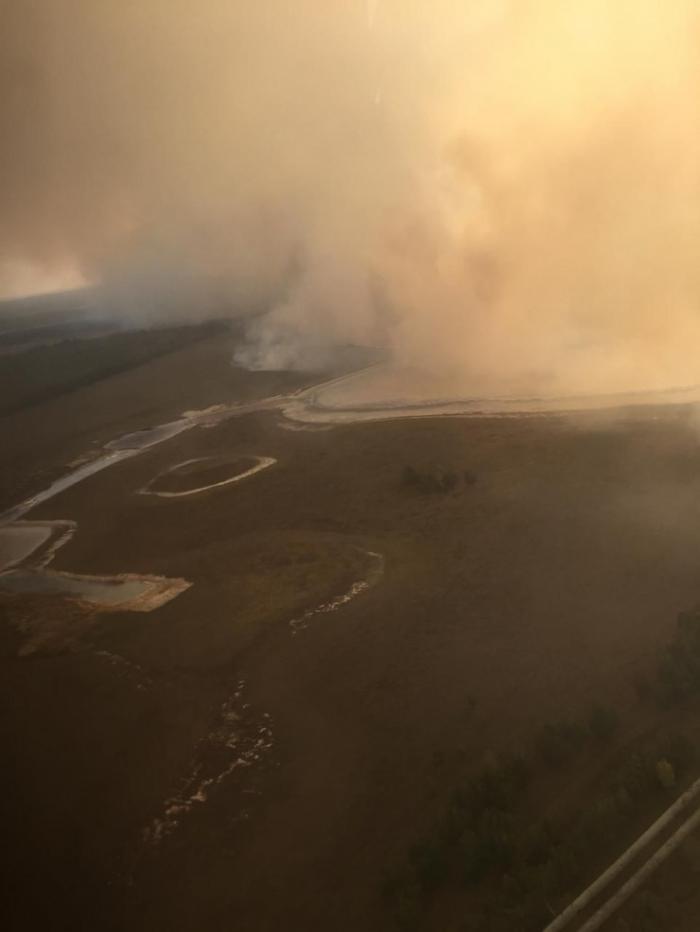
{"points": [[449, 481], [537, 844], [557, 743], [642, 687], [407, 910], [665, 774], [681, 753], [428, 862], [409, 477], [602, 722]]}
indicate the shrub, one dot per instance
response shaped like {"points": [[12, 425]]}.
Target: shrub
{"points": [[680, 752], [688, 624], [488, 845], [428, 861], [453, 824], [449, 481], [665, 774], [432, 482], [642, 687], [473, 861], [636, 778], [557, 743], [537, 844], [409, 477], [602, 722], [408, 907]]}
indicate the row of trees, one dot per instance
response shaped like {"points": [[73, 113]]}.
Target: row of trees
{"points": [[678, 667], [485, 834], [559, 742]]}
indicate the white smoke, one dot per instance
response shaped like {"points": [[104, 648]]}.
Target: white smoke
{"points": [[516, 179]]}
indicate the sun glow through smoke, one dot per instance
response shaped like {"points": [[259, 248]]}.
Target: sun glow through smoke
{"points": [[499, 190]]}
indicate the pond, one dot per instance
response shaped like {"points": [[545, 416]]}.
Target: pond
{"points": [[111, 592], [18, 541]]}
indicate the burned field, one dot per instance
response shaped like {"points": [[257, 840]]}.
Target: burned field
{"points": [[208, 766]]}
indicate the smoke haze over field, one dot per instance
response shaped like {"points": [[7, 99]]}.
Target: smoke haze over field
{"points": [[503, 188]]}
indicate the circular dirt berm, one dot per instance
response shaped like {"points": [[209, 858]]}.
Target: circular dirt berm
{"points": [[199, 475]]}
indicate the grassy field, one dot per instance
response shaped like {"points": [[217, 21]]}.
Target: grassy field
{"points": [[41, 440], [541, 583], [48, 372]]}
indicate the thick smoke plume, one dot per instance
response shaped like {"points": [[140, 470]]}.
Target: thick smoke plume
{"points": [[496, 188]]}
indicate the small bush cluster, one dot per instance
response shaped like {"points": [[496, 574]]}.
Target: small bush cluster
{"points": [[476, 831], [678, 668], [558, 743], [435, 482], [550, 859]]}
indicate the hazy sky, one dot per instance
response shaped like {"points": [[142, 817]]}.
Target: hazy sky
{"points": [[491, 185]]}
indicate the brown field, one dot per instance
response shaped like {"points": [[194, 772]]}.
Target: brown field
{"points": [[538, 590], [40, 441]]}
